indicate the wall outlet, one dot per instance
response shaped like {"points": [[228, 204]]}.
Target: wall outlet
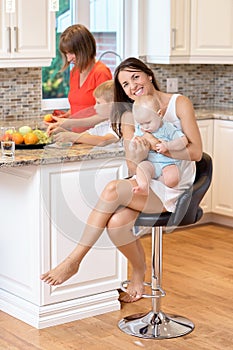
{"points": [[172, 84]]}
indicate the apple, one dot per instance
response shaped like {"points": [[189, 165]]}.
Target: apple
{"points": [[23, 130], [10, 131], [58, 112], [6, 137]]}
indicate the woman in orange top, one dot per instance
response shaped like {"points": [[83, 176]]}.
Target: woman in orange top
{"points": [[78, 46]]}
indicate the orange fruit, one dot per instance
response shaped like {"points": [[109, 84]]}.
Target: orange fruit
{"points": [[49, 118], [17, 137], [30, 138]]}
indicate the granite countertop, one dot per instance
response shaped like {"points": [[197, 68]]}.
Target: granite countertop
{"points": [[214, 113], [52, 155]]}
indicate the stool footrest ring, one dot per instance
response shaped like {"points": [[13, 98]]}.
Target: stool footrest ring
{"points": [[159, 291]]}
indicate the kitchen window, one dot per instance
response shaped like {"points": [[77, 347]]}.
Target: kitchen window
{"points": [[104, 18]]}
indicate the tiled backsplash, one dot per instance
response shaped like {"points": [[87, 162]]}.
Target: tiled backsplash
{"points": [[205, 85], [20, 93]]}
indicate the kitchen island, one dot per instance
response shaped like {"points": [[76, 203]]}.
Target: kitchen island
{"points": [[46, 196]]}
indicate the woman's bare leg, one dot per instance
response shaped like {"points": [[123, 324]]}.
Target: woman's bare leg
{"points": [[131, 247], [117, 193], [120, 232]]}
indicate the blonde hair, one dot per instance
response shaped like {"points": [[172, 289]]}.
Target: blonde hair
{"points": [[147, 101], [105, 90]]}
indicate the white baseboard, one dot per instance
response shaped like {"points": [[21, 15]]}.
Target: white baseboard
{"points": [[212, 218], [58, 313]]}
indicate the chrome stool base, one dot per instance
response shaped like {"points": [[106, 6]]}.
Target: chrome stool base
{"points": [[156, 325]]}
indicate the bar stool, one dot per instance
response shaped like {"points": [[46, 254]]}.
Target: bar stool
{"points": [[155, 324]]}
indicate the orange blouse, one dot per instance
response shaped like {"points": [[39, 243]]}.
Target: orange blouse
{"points": [[81, 99]]}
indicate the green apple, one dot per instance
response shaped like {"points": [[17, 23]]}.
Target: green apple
{"points": [[25, 130], [10, 131]]}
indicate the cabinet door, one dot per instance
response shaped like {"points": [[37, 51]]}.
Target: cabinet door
{"points": [[69, 192], [212, 27], [206, 130], [223, 168], [33, 29], [5, 32], [180, 27], [166, 30]]}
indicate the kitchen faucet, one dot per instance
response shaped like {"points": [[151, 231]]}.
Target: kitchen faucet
{"points": [[110, 52]]}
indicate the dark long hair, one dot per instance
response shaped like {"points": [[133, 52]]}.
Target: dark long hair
{"points": [[123, 102]]}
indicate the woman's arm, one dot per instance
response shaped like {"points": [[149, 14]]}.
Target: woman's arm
{"points": [[185, 111], [193, 150]]}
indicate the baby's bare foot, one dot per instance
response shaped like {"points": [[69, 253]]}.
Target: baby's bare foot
{"points": [[61, 273]]}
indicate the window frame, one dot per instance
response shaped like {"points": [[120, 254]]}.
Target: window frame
{"points": [[130, 30]]}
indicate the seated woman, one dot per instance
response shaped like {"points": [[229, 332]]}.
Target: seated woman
{"points": [[118, 206]]}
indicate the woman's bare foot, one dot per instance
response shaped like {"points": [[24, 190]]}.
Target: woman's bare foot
{"points": [[135, 288], [61, 273]]}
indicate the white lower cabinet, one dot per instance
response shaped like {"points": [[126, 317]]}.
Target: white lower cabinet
{"points": [[222, 201], [44, 210], [217, 138]]}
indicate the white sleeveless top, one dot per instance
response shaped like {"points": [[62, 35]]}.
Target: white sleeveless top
{"points": [[167, 195]]}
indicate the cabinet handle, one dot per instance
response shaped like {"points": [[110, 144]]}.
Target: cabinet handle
{"points": [[9, 37], [16, 39], [173, 38]]}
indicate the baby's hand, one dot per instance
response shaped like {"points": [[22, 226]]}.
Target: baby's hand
{"points": [[161, 147]]}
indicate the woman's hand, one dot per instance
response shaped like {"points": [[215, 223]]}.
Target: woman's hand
{"points": [[56, 127], [138, 149]]}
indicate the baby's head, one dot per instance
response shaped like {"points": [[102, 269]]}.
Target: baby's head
{"points": [[104, 97], [145, 111]]}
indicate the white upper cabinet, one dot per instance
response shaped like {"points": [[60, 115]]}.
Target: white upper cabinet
{"points": [[166, 30], [27, 36], [212, 29], [188, 31]]}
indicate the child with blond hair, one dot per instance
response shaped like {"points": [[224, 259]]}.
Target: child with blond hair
{"points": [[102, 134]]}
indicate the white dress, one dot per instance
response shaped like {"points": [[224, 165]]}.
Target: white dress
{"points": [[167, 195]]}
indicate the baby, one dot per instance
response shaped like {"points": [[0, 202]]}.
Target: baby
{"points": [[157, 165]]}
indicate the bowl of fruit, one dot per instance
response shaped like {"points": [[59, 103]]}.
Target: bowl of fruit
{"points": [[27, 138]]}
